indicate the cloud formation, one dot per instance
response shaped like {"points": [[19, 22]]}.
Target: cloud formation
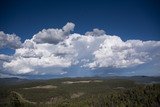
{"points": [[51, 51], [114, 52], [9, 40], [4, 58], [53, 36], [95, 32]]}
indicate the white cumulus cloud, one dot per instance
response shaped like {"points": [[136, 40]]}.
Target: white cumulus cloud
{"points": [[95, 32], [9, 40], [114, 52], [52, 50], [53, 36], [4, 58]]}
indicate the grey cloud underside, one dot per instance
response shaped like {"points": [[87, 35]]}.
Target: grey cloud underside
{"points": [[9, 40], [4, 58], [52, 51], [53, 36]]}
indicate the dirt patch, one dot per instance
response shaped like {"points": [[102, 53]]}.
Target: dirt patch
{"points": [[73, 82], [76, 95], [42, 87], [97, 81], [120, 88]]}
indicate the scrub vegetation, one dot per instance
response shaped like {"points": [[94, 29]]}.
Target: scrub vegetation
{"points": [[82, 92]]}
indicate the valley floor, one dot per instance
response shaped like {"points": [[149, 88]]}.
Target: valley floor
{"points": [[81, 92]]}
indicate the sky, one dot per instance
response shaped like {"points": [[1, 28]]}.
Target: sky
{"points": [[68, 38]]}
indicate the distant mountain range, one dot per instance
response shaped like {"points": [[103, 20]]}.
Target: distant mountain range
{"points": [[137, 79], [12, 81]]}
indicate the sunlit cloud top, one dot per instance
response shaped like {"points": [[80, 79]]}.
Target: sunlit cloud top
{"points": [[56, 51]]}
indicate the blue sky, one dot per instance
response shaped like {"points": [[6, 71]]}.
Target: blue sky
{"points": [[128, 19]]}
